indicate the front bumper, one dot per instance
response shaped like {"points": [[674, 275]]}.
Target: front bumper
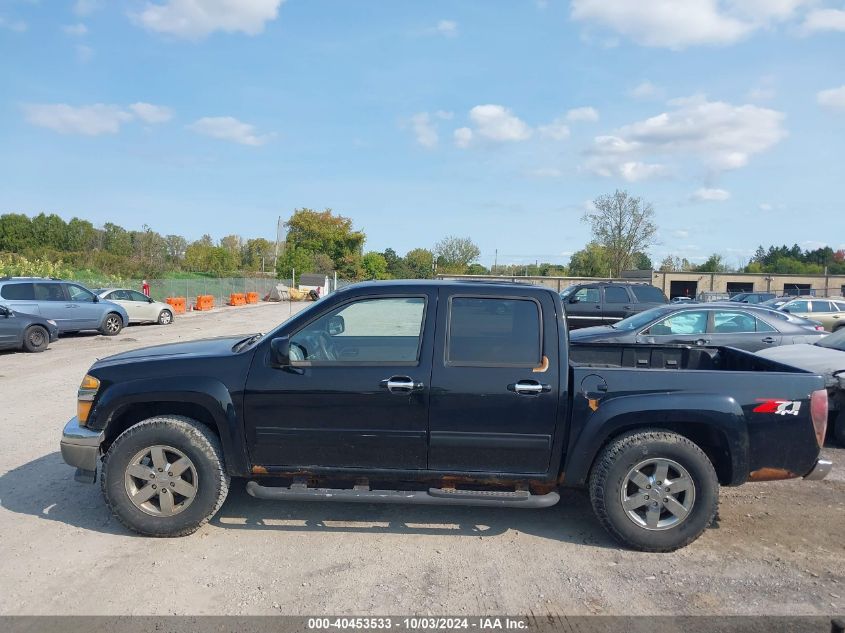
{"points": [[820, 470], [81, 448]]}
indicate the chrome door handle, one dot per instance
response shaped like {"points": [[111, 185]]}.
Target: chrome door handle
{"points": [[401, 384], [769, 339], [528, 387]]}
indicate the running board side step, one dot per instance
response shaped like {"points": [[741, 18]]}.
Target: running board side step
{"points": [[434, 496]]}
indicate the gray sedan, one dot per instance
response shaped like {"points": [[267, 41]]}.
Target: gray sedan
{"points": [[747, 327], [28, 332]]}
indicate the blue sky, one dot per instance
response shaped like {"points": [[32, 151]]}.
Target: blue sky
{"points": [[497, 119]]}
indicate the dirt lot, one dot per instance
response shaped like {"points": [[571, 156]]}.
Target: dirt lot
{"points": [[778, 548]]}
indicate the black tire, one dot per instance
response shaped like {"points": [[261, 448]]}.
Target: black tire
{"points": [[35, 339], [112, 324], [165, 317], [195, 441], [611, 470]]}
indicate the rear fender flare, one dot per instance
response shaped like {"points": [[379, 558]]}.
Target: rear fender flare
{"points": [[659, 410]]}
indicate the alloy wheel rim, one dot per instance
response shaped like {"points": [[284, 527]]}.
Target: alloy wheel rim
{"points": [[165, 317], [36, 338], [112, 324], [161, 481], [658, 494]]}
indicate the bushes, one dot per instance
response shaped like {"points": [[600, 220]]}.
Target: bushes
{"points": [[12, 265]]}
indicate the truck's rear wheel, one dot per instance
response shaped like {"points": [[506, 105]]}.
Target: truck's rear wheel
{"points": [[165, 476], [654, 491]]}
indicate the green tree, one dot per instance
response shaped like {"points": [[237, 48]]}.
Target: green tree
{"points": [[455, 254], [80, 235], [592, 261], [315, 232], [116, 239], [258, 252], [375, 266], [48, 231], [419, 263], [624, 226], [713, 264], [15, 232]]}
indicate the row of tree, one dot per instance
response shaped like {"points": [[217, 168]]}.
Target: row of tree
{"points": [[116, 251], [623, 230]]}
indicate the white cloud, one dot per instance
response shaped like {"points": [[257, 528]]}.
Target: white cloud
{"points": [[646, 90], [832, 99], [84, 53], [90, 120], [824, 20], [445, 115], [77, 30], [228, 128], [681, 233], [664, 23], [583, 114], [463, 137], [498, 123], [449, 28], [710, 195], [18, 26], [678, 24], [556, 130], [195, 19], [765, 206], [719, 135], [424, 130], [150, 113]]}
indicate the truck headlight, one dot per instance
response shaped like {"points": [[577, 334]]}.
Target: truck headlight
{"points": [[85, 398]]}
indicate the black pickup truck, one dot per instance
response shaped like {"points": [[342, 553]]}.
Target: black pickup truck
{"points": [[441, 393]]}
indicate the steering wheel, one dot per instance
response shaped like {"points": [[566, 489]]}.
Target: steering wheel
{"points": [[326, 347]]}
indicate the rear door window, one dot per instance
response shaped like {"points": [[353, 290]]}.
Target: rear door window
{"points": [[49, 292], [18, 292], [494, 332], [820, 306], [616, 294], [648, 294], [725, 322]]}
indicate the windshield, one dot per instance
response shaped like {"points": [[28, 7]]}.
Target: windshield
{"points": [[642, 319], [834, 341]]}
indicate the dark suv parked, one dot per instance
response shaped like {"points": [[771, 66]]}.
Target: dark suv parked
{"points": [[605, 303]]}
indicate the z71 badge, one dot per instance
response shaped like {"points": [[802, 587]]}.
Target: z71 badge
{"points": [[778, 407]]}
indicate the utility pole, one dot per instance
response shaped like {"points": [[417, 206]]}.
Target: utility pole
{"points": [[279, 227], [495, 261]]}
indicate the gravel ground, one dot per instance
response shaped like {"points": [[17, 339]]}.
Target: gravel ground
{"points": [[778, 548]]}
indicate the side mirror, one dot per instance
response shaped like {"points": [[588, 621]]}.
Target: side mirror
{"points": [[280, 351], [336, 325], [789, 310], [96, 299], [5, 312], [573, 299], [150, 300]]}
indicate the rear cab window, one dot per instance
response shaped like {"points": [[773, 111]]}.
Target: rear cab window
{"points": [[487, 331]]}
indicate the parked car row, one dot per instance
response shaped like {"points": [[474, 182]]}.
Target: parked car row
{"points": [[34, 311]]}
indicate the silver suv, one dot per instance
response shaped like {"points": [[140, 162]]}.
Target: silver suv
{"points": [[70, 305]]}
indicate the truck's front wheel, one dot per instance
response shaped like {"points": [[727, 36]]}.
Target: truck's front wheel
{"points": [[165, 476], [654, 491]]}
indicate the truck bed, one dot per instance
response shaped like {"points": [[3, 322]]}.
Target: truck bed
{"points": [[615, 355]]}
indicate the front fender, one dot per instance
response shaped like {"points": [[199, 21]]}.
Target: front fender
{"points": [[204, 392], [615, 415]]}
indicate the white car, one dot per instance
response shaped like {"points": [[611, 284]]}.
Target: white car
{"points": [[139, 307]]}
